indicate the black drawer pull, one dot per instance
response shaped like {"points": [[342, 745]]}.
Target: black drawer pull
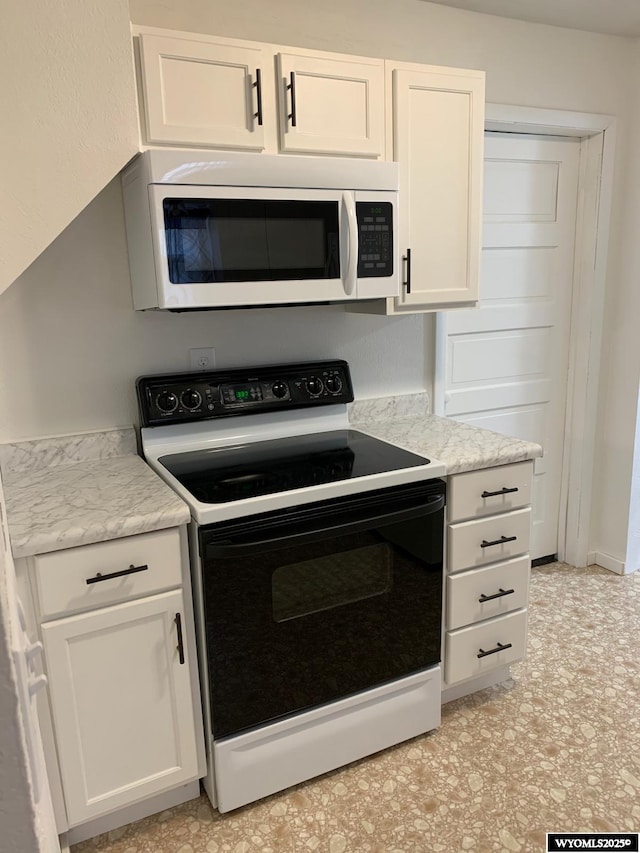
{"points": [[258, 86], [180, 646], [292, 87], [499, 648], [407, 284], [502, 592], [130, 571], [500, 541], [504, 491]]}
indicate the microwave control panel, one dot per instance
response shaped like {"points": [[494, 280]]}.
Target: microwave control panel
{"points": [[181, 397], [375, 238]]}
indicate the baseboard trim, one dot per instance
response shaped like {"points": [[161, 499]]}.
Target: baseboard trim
{"points": [[543, 561], [606, 561], [131, 814]]}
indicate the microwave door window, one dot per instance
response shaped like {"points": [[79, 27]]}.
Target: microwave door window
{"points": [[227, 240]]}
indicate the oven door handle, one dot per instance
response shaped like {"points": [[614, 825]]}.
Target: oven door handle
{"points": [[245, 548]]}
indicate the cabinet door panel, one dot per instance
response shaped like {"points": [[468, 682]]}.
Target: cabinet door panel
{"points": [[438, 141], [201, 93], [122, 704], [339, 105]]}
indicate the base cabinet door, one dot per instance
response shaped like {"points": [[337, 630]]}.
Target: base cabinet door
{"points": [[122, 704], [438, 123], [202, 93], [331, 106]]}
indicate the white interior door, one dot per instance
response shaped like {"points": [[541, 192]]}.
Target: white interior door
{"points": [[506, 362]]}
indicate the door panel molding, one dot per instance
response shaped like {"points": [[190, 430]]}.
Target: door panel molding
{"points": [[595, 186]]}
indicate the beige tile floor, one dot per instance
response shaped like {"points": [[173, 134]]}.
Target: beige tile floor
{"points": [[556, 748]]}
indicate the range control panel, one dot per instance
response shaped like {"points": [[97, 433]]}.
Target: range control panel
{"points": [[180, 397]]}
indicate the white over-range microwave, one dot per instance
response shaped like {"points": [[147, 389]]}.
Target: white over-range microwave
{"points": [[214, 229]]}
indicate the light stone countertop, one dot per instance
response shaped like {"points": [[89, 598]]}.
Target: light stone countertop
{"points": [[76, 490], [80, 489], [404, 421]]}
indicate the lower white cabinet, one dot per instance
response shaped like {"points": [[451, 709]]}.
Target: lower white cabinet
{"points": [[487, 577], [122, 714], [122, 704]]}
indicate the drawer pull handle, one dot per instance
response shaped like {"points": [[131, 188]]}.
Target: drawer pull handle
{"points": [[258, 87], [499, 594], [130, 571], [292, 87], [180, 646], [504, 491], [499, 648], [500, 541]]}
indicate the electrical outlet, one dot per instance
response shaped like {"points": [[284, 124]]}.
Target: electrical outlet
{"points": [[203, 358]]}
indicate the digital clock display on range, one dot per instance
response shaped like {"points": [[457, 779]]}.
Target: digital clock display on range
{"points": [[241, 393]]}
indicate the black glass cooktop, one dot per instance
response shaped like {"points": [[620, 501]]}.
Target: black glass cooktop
{"points": [[221, 475]]}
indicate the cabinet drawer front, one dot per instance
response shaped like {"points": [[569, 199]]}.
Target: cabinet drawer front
{"points": [[62, 576], [483, 593], [463, 646], [487, 540], [489, 491]]}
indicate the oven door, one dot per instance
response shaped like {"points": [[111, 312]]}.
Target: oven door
{"points": [[308, 605]]}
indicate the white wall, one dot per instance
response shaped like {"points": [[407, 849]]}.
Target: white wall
{"points": [[68, 117], [618, 410]]}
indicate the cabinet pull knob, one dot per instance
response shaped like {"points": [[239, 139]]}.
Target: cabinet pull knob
{"points": [[504, 491], [130, 571], [258, 88], [499, 594], [407, 260], [180, 646], [500, 541], [499, 648], [292, 87]]}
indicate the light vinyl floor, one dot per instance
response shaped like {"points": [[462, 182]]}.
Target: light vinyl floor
{"points": [[554, 749]]}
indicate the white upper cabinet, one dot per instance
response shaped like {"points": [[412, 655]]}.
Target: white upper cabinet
{"points": [[199, 90], [331, 105], [203, 92], [438, 128]]}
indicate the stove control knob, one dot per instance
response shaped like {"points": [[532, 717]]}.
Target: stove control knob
{"points": [[167, 402], [191, 400], [279, 389], [314, 386], [334, 384]]}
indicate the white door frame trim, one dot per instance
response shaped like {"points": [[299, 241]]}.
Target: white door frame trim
{"points": [[595, 187]]}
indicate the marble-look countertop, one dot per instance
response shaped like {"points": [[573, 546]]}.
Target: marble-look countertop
{"points": [[76, 490], [404, 421]]}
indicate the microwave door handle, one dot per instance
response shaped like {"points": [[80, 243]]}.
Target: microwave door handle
{"points": [[350, 223]]}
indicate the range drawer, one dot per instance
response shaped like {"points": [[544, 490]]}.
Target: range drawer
{"points": [[487, 540], [489, 491], [483, 593], [61, 577], [474, 650]]}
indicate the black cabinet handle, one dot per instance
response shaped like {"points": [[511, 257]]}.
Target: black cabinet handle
{"points": [[499, 648], [258, 86], [502, 592], [292, 86], [130, 571], [504, 491], [407, 283], [180, 646], [500, 541]]}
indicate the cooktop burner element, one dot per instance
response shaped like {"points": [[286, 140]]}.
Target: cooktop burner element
{"points": [[231, 473]]}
